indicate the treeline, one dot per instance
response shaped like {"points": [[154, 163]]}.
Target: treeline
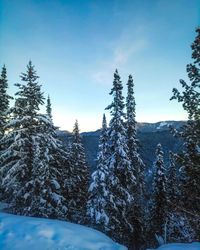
{"points": [[39, 177]]}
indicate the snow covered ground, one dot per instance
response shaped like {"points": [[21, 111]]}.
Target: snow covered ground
{"points": [[180, 246], [27, 233]]}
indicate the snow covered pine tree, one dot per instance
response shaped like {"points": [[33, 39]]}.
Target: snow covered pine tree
{"points": [[178, 228], [48, 107], [4, 110], [158, 211], [80, 180], [136, 211], [121, 175], [4, 100], [189, 158], [29, 169], [96, 208]]}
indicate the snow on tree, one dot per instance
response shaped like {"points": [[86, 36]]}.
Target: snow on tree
{"points": [[158, 211], [137, 164], [31, 175], [79, 179], [121, 177], [189, 158], [98, 193], [4, 111], [4, 100], [17, 156], [48, 191], [48, 107], [172, 187], [177, 228]]}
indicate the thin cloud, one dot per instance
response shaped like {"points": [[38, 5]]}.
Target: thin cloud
{"points": [[122, 53]]}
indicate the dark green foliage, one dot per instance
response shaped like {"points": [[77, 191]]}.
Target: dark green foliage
{"points": [[137, 165], [32, 157], [98, 189], [173, 184], [189, 159], [48, 108], [4, 100], [79, 179], [121, 175], [158, 210]]}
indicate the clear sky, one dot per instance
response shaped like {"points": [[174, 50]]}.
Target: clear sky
{"points": [[76, 45]]}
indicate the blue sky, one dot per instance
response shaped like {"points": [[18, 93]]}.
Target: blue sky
{"points": [[76, 46]]}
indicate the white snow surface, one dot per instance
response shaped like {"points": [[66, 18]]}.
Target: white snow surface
{"points": [[180, 246], [25, 233]]}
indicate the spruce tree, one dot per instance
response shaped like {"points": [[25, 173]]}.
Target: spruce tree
{"points": [[178, 228], [30, 174], [159, 197], [189, 158], [137, 166], [4, 113], [172, 183], [17, 156], [121, 177], [4, 100], [50, 172], [98, 188], [48, 107], [80, 179]]}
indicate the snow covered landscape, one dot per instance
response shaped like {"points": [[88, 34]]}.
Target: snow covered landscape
{"points": [[99, 132], [23, 233], [180, 246]]}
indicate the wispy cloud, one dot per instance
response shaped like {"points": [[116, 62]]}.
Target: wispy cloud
{"points": [[122, 52]]}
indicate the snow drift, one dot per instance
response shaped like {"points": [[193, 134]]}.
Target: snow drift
{"points": [[24, 233], [180, 246]]}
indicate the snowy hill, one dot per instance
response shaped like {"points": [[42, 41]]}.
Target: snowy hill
{"points": [[22, 233], [144, 127], [180, 246]]}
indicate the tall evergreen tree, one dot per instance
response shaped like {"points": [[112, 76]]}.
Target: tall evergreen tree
{"points": [[98, 188], [172, 183], [17, 156], [137, 167], [30, 174], [4, 100], [48, 107], [121, 177], [80, 179], [178, 228], [4, 112], [50, 172], [159, 197], [189, 159]]}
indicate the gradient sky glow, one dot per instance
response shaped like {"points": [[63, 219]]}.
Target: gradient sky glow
{"points": [[76, 45]]}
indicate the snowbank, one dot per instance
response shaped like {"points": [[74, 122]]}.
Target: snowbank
{"points": [[180, 246], [27, 233]]}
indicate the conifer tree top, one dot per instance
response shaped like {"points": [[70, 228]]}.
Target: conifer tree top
{"points": [[48, 107], [104, 122], [130, 101], [31, 75], [4, 81], [159, 156], [76, 133], [29, 95], [117, 105]]}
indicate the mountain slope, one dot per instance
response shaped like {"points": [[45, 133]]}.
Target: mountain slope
{"points": [[149, 135]]}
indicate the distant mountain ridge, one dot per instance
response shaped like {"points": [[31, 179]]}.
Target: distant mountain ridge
{"points": [[149, 135]]}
